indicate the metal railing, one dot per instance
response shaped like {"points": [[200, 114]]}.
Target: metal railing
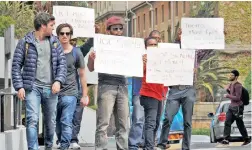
{"points": [[17, 109]]}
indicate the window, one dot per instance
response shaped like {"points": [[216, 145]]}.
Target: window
{"points": [[162, 36], [169, 10], [100, 6], [138, 23], [156, 16], [184, 7], [149, 18], [144, 21], [105, 4], [169, 34], [176, 8], [162, 13], [133, 27]]}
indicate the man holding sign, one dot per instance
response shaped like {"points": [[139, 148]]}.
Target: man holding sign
{"points": [[112, 97], [184, 95]]}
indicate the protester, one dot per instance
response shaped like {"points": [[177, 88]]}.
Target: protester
{"points": [[184, 95], [112, 97], [136, 135], [77, 118], [235, 110], [69, 90], [156, 34], [151, 97], [38, 72]]}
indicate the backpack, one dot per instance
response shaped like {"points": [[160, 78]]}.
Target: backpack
{"points": [[245, 96], [76, 59]]}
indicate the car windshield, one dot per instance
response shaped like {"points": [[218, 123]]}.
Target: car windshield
{"points": [[246, 108]]}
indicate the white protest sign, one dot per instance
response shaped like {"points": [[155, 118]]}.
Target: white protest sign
{"points": [[119, 55], [168, 45], [170, 67], [202, 33], [82, 19]]}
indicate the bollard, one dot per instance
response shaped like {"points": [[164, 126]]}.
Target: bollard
{"points": [[17, 110], [2, 112]]}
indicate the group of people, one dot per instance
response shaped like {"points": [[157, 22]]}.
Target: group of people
{"points": [[50, 70]]}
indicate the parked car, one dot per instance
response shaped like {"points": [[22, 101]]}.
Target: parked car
{"points": [[218, 122]]}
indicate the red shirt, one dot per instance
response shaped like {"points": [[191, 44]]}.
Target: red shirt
{"points": [[157, 91]]}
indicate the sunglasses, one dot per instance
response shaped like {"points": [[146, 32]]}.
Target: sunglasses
{"points": [[117, 29], [65, 33], [152, 44]]}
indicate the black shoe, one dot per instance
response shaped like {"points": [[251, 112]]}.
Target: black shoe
{"points": [[225, 142], [246, 142]]}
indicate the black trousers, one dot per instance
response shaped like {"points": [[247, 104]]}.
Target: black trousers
{"points": [[235, 113]]}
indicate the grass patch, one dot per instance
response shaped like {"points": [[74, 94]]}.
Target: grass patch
{"points": [[94, 107], [201, 131]]}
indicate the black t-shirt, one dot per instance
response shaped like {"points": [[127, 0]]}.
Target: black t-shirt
{"points": [[70, 87]]}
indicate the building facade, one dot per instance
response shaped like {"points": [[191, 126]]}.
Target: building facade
{"points": [[106, 9], [163, 16]]}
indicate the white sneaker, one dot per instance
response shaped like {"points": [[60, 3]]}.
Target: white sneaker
{"points": [[58, 146], [74, 146]]}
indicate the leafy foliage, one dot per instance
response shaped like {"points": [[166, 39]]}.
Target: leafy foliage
{"points": [[240, 60], [71, 3], [16, 13], [211, 76], [247, 83], [206, 9], [5, 22], [237, 17]]}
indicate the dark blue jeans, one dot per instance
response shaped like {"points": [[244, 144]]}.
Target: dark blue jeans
{"points": [[77, 118], [33, 99], [152, 119], [186, 99], [136, 136], [65, 111]]}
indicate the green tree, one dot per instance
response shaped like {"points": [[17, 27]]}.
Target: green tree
{"points": [[247, 83], [5, 22], [210, 76], [19, 14]]}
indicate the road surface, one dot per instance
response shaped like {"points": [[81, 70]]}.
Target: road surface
{"points": [[198, 143]]}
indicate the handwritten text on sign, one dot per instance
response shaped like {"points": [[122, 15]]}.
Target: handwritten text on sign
{"points": [[119, 55], [170, 67], [202, 33], [81, 19]]}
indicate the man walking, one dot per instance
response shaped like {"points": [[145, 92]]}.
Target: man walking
{"points": [[112, 97], [77, 118], [235, 110], [38, 71], [178, 95], [70, 89]]}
